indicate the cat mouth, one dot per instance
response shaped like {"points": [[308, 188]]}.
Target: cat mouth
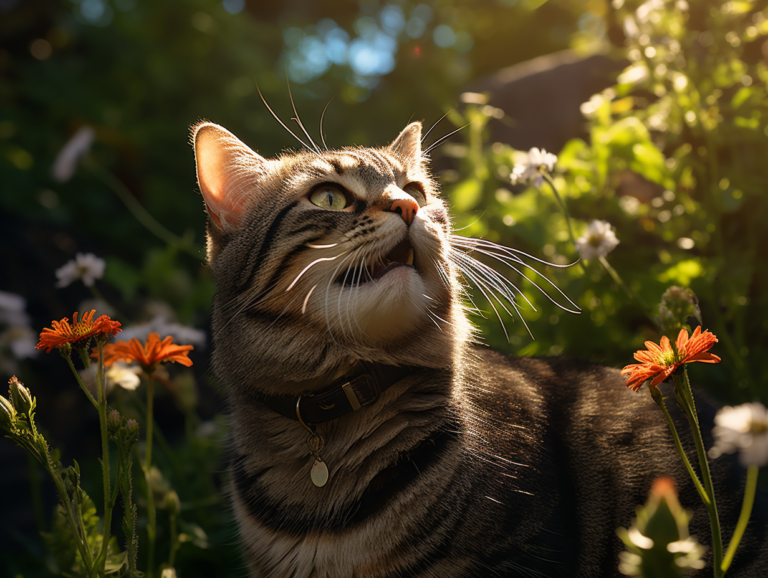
{"points": [[401, 255]]}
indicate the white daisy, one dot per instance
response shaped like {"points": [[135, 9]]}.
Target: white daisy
{"points": [[125, 375], [742, 429], [597, 241], [531, 171], [85, 266]]}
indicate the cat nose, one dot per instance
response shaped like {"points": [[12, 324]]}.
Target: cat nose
{"points": [[407, 209]]}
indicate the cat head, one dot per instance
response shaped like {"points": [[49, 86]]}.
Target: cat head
{"points": [[322, 258]]}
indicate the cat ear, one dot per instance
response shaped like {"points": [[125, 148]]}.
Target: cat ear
{"points": [[407, 146], [227, 171]]}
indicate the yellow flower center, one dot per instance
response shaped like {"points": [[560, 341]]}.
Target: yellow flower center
{"points": [[667, 358], [80, 329]]}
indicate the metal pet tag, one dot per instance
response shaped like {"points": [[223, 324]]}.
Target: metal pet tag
{"points": [[319, 473]]}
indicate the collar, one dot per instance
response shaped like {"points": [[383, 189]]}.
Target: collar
{"points": [[363, 386]]}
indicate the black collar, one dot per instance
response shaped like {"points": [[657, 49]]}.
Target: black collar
{"points": [[359, 388]]}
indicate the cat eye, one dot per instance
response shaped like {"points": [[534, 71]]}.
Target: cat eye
{"points": [[417, 192], [328, 197]]}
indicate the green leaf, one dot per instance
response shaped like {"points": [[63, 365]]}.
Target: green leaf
{"points": [[115, 561]]}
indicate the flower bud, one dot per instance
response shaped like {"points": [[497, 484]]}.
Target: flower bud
{"points": [[172, 502], [658, 544], [7, 412], [114, 422], [20, 396], [131, 431], [677, 306]]}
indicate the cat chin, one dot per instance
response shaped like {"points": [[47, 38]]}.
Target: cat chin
{"points": [[390, 306]]}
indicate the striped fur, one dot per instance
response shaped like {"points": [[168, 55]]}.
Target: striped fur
{"points": [[475, 464]]}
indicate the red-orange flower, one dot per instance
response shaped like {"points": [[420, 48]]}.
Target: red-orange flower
{"points": [[149, 355], [661, 361], [79, 332]]}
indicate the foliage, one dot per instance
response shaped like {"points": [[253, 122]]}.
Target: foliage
{"points": [[674, 162]]}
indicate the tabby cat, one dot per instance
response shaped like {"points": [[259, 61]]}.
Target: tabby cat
{"points": [[372, 435]]}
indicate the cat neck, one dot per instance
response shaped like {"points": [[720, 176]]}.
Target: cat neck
{"points": [[357, 388]]}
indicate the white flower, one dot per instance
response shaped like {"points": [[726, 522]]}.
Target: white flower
{"points": [[85, 266], [159, 324], [21, 340], [121, 374], [126, 375], [530, 171], [598, 240], [65, 165], [742, 429], [12, 309]]}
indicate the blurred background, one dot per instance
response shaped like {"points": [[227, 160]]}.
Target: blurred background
{"points": [[656, 109]]}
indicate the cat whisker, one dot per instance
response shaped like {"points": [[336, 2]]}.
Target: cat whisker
{"points": [[441, 272], [341, 293], [328, 290], [488, 281], [443, 138], [306, 299], [508, 260], [436, 316], [501, 283], [429, 316], [322, 116], [508, 250], [298, 119], [488, 295], [437, 122], [277, 118], [492, 284], [311, 246], [315, 262], [359, 269]]}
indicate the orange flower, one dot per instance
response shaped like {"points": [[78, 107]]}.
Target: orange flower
{"points": [[149, 355], [661, 361], [79, 332]]}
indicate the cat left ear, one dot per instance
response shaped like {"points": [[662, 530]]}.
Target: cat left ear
{"points": [[407, 146], [227, 171]]}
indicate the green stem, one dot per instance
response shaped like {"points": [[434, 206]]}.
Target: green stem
{"points": [[563, 207], [151, 515], [129, 514], [108, 503], [746, 510], [685, 397], [660, 402], [80, 382], [159, 437], [82, 542], [35, 489], [620, 282], [174, 540], [566, 214]]}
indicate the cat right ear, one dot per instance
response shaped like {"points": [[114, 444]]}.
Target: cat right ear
{"points": [[227, 171]]}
